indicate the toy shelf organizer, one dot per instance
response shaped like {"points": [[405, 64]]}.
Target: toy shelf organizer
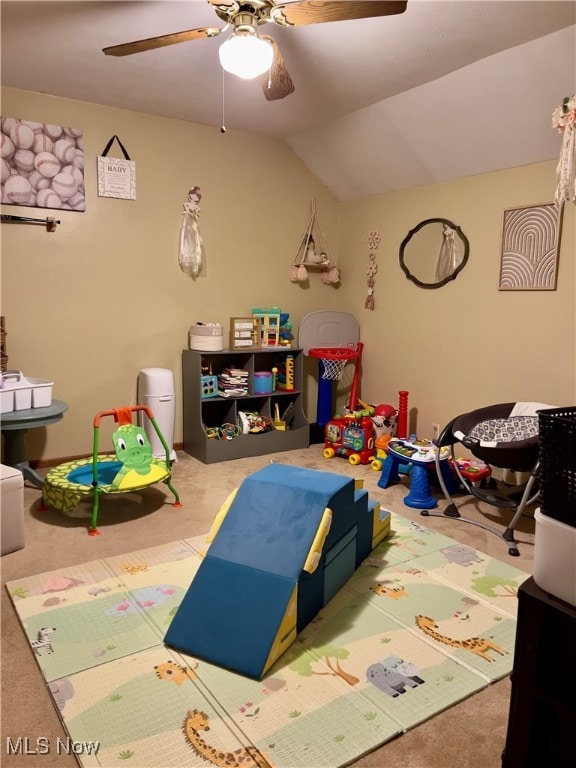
{"points": [[314, 254]]}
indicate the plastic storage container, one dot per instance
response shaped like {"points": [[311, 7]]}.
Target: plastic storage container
{"points": [[156, 390], [19, 392], [555, 557]]}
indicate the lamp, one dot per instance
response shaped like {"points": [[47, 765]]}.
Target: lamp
{"points": [[244, 54]]}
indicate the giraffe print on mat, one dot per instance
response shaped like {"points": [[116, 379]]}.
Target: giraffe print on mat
{"points": [[478, 645], [246, 757]]}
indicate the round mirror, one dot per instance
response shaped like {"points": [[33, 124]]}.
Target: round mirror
{"points": [[433, 253]]}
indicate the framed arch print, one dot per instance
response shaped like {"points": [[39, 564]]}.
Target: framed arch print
{"points": [[530, 246]]}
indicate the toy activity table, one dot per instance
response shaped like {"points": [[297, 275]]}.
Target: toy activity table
{"points": [[420, 454], [14, 427]]}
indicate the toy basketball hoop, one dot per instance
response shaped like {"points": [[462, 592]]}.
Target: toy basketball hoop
{"points": [[333, 360], [333, 338]]}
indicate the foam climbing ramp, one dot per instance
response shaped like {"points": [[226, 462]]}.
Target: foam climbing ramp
{"points": [[284, 543]]}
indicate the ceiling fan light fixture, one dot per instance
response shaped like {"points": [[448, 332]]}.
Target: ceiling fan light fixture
{"points": [[246, 55]]}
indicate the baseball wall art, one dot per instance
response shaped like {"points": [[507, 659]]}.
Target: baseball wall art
{"points": [[42, 165]]}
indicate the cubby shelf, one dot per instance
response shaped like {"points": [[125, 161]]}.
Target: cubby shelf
{"points": [[199, 412]]}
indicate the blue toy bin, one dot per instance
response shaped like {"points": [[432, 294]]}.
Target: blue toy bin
{"points": [[263, 383]]}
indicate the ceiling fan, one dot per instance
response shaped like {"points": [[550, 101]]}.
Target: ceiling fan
{"points": [[248, 54]]}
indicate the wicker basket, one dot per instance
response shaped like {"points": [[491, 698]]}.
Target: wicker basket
{"points": [[557, 432]]}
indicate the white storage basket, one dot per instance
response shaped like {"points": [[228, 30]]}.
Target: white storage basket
{"points": [[206, 337]]}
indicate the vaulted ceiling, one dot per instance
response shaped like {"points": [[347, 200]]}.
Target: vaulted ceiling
{"points": [[447, 89]]}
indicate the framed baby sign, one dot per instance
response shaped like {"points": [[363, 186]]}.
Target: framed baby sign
{"points": [[116, 176]]}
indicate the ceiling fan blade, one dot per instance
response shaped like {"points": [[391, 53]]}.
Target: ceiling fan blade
{"points": [[227, 3], [319, 11], [138, 46], [278, 84]]}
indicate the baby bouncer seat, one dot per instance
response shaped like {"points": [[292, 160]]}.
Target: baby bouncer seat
{"points": [[504, 435]]}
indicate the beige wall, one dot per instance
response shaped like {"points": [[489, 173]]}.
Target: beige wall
{"points": [[91, 304], [103, 296], [466, 344]]}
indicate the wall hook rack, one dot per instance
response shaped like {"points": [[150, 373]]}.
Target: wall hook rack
{"points": [[49, 223]]}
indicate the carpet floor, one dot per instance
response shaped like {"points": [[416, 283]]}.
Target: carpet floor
{"points": [[333, 699]]}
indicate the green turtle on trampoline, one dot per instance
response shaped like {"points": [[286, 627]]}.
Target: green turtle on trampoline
{"points": [[131, 468]]}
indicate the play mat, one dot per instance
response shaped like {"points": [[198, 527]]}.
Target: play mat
{"points": [[423, 623]]}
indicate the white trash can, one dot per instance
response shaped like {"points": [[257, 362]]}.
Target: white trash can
{"points": [[156, 391]]}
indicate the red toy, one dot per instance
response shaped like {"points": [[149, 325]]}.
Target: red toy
{"points": [[350, 436], [355, 435], [402, 427], [474, 471]]}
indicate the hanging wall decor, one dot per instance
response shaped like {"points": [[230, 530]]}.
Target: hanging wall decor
{"points": [[530, 240], [448, 258], [373, 240], [314, 254], [116, 176], [42, 165], [191, 252], [564, 120]]}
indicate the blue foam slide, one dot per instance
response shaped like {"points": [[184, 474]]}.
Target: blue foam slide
{"points": [[272, 566]]}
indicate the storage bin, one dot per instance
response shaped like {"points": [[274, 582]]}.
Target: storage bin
{"points": [[555, 557], [206, 337], [11, 509], [6, 400], [15, 382], [41, 392], [557, 454], [19, 392]]}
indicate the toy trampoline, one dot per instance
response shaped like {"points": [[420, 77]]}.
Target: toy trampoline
{"points": [[505, 436], [131, 468]]}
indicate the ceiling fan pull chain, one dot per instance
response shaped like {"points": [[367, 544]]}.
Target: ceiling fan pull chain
{"points": [[223, 126]]}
